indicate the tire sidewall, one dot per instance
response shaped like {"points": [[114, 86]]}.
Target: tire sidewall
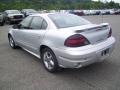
{"points": [[54, 60], [14, 46]]}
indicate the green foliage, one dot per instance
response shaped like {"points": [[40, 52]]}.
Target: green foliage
{"points": [[56, 4]]}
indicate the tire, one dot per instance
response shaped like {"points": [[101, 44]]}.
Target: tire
{"points": [[11, 42], [2, 23], [49, 60]]}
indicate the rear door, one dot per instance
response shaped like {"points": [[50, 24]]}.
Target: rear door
{"points": [[35, 34]]}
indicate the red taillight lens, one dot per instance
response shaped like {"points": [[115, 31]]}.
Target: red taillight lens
{"points": [[110, 33], [76, 40]]}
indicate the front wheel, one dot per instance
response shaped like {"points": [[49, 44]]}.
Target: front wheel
{"points": [[1, 24], [49, 60], [11, 42]]}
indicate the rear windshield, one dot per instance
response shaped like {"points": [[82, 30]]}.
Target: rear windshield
{"points": [[67, 20]]}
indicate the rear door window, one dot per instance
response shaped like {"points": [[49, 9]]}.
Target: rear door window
{"points": [[26, 22], [36, 23]]}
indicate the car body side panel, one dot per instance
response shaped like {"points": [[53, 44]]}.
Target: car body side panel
{"points": [[33, 39], [29, 39]]}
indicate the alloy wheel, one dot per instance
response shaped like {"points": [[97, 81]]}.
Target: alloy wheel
{"points": [[48, 60]]}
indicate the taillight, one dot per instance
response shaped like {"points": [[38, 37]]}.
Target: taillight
{"points": [[76, 40], [110, 33]]}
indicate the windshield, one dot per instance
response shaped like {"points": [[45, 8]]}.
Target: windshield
{"points": [[67, 20], [13, 12]]}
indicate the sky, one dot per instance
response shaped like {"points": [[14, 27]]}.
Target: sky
{"points": [[118, 1]]}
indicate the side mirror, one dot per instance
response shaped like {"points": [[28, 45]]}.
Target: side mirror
{"points": [[16, 26]]}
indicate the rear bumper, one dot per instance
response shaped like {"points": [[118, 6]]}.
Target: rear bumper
{"points": [[76, 58]]}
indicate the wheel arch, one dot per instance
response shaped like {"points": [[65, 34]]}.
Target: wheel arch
{"points": [[56, 67], [9, 35], [43, 47]]}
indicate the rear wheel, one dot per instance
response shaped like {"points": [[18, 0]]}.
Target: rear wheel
{"points": [[11, 42], [49, 60]]}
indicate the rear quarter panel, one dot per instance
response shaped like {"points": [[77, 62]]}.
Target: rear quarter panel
{"points": [[56, 38]]}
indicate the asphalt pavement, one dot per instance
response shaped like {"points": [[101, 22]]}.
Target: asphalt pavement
{"points": [[20, 70]]}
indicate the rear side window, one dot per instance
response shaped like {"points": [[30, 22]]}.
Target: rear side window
{"points": [[36, 23]]}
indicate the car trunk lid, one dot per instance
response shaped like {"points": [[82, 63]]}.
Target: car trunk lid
{"points": [[95, 33]]}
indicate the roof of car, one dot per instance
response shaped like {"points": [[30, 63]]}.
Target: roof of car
{"points": [[27, 9], [46, 14], [11, 10]]}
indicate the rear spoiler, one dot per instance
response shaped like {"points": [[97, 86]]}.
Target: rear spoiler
{"points": [[97, 27]]}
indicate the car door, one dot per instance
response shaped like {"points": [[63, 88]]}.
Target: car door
{"points": [[35, 34], [20, 32]]}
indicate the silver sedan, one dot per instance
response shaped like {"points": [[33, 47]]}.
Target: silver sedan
{"points": [[63, 40]]}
